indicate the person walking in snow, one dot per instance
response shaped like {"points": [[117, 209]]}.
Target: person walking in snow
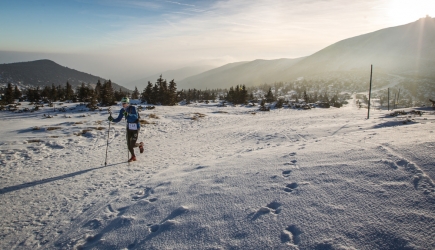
{"points": [[133, 126]]}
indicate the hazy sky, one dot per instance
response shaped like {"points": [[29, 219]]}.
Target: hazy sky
{"points": [[125, 40]]}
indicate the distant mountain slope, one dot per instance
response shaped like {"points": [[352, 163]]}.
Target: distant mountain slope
{"points": [[177, 75], [407, 50], [248, 73], [46, 72]]}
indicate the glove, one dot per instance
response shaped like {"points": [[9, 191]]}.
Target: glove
{"points": [[125, 114], [110, 118]]}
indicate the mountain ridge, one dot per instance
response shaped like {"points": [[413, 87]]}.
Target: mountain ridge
{"points": [[406, 50], [46, 72]]}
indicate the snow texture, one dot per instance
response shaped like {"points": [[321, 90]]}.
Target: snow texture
{"points": [[218, 178]]}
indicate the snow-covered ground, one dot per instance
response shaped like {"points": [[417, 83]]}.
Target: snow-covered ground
{"points": [[219, 178]]}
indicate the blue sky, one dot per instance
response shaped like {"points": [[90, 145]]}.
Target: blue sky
{"points": [[125, 40]]}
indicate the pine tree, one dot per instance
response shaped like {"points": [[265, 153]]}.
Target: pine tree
{"points": [[172, 93], [135, 94], [81, 92], [107, 93], [243, 99], [98, 91], [231, 95], [60, 93], [37, 94], [69, 93], [154, 98], [17, 93], [146, 93], [53, 93], [162, 95], [93, 100], [269, 96], [9, 94], [306, 97], [45, 93], [279, 103], [118, 95]]}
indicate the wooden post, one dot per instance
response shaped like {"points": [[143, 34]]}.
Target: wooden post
{"points": [[398, 97], [370, 91], [388, 99]]}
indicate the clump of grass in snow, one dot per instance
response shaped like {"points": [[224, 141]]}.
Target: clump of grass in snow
{"points": [[154, 116], [145, 122], [196, 116], [33, 140], [84, 131], [53, 128]]}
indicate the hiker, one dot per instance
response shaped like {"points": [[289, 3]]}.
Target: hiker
{"points": [[133, 126]]}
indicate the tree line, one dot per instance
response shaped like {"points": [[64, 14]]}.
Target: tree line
{"points": [[103, 93], [165, 93]]}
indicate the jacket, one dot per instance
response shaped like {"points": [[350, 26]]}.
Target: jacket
{"points": [[132, 115]]}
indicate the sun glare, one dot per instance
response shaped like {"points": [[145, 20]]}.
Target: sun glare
{"points": [[406, 11]]}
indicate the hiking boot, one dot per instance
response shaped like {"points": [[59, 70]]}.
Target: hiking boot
{"points": [[133, 158], [141, 147]]}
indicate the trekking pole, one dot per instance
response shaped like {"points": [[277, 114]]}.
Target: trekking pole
{"points": [[128, 144], [108, 132]]}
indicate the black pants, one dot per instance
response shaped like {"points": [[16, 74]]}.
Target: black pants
{"points": [[132, 136]]}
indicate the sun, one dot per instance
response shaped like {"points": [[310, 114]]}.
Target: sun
{"points": [[406, 11]]}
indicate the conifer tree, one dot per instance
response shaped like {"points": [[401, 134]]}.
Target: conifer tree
{"points": [[98, 91], [60, 93], [45, 93], [172, 93], [243, 99], [147, 92], [135, 94], [162, 95], [81, 92], [17, 93], [155, 94], [107, 93], [118, 95], [306, 97], [69, 93], [279, 103], [53, 93], [9, 94], [269, 96]]}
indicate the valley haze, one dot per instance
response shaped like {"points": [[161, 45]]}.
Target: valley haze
{"points": [[129, 40]]}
